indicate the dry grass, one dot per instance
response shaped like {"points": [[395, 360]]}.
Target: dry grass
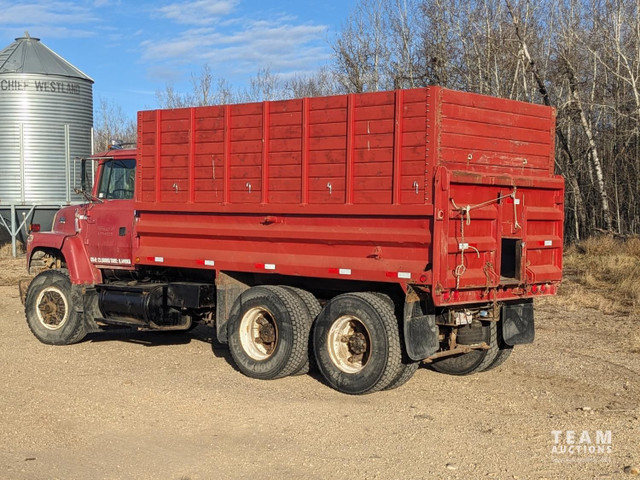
{"points": [[602, 273], [6, 249]]}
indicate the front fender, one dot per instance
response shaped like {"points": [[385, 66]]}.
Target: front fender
{"points": [[81, 270]]}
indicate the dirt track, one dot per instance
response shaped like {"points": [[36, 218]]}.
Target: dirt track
{"points": [[171, 406]]}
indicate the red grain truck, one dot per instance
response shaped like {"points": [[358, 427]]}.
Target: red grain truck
{"points": [[361, 233]]}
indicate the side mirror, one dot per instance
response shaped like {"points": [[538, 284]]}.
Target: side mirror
{"points": [[83, 174]]}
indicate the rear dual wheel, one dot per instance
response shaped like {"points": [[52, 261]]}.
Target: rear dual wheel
{"points": [[475, 360], [268, 332], [357, 343]]}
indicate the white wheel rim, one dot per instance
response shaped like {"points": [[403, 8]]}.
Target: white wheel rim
{"points": [[52, 308], [258, 333], [349, 344]]}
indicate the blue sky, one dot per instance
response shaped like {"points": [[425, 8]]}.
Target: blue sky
{"points": [[134, 49]]}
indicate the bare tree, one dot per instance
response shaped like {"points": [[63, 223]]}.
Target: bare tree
{"points": [[361, 49], [112, 124], [205, 90]]}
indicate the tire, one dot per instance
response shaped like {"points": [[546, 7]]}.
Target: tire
{"points": [[50, 311], [267, 338], [406, 373], [409, 366], [476, 360], [504, 351], [313, 309], [357, 343]]}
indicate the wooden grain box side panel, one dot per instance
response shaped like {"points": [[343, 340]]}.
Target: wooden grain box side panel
{"points": [[492, 135]]}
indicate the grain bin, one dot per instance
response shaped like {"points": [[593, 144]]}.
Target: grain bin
{"points": [[46, 117]]}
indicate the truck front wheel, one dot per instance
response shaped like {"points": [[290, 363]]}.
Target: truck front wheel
{"points": [[49, 309], [357, 343], [268, 334]]}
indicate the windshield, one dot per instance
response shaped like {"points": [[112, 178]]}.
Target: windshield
{"points": [[117, 179]]}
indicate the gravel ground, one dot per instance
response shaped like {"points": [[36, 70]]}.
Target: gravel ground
{"points": [[172, 406]]}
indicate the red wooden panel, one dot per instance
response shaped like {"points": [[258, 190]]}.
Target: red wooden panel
{"points": [[246, 109], [171, 149], [289, 184], [415, 95], [328, 103], [209, 136], [174, 161], [288, 118], [379, 112], [337, 129], [370, 169], [414, 153], [327, 116], [377, 127], [284, 197], [209, 124], [285, 171], [210, 171], [377, 197], [494, 104], [209, 184], [284, 158], [379, 183], [286, 131], [496, 145], [249, 146], [415, 168], [327, 156], [496, 159], [282, 106], [412, 110], [246, 134], [323, 197], [209, 196], [455, 113], [506, 132], [366, 142], [243, 172], [320, 184], [176, 125], [327, 143], [213, 148], [285, 145], [375, 98], [414, 124], [147, 140], [245, 159], [324, 170], [414, 139]]}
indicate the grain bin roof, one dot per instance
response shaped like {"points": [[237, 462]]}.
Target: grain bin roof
{"points": [[29, 55]]}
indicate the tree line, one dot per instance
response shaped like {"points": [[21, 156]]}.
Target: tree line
{"points": [[580, 56]]}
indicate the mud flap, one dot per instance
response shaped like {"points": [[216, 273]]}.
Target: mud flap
{"points": [[421, 336], [517, 323]]}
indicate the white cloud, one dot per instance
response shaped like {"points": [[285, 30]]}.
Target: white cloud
{"points": [[44, 13], [46, 18], [280, 45], [198, 12]]}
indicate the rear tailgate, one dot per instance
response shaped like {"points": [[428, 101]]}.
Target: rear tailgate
{"points": [[498, 206]]}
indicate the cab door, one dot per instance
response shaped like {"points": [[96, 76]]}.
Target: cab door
{"points": [[108, 222]]}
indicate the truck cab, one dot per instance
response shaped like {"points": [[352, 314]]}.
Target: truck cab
{"points": [[96, 234]]}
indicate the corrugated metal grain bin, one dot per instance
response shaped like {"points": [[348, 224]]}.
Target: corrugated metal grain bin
{"points": [[46, 116]]}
